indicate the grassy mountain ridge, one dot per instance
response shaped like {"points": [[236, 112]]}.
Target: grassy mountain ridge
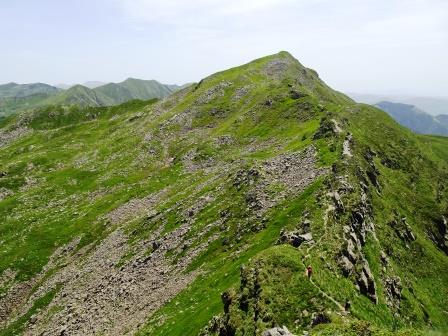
{"points": [[143, 222], [15, 97], [23, 90], [19, 97], [111, 94]]}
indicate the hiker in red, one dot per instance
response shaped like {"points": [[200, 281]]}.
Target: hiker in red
{"points": [[309, 271]]}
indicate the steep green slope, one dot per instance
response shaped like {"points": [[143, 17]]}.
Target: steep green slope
{"points": [[138, 218]]}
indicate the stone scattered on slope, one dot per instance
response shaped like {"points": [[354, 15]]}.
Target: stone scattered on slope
{"points": [[277, 331]]}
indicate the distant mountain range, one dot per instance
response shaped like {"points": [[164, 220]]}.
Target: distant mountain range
{"points": [[424, 115], [415, 119], [16, 97], [432, 105]]}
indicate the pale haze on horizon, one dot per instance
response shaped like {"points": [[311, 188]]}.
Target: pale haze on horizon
{"points": [[376, 47]]}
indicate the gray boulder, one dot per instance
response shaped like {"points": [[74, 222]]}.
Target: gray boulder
{"points": [[277, 331]]}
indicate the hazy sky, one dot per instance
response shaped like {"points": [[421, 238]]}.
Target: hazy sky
{"points": [[370, 46]]}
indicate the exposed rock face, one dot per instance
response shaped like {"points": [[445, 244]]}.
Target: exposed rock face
{"points": [[320, 318], [346, 265], [351, 259], [366, 283], [4, 192], [277, 69], [393, 291], [347, 146], [445, 236], [291, 172], [214, 92], [294, 238], [372, 171], [439, 235], [8, 136], [277, 331], [134, 207], [241, 92], [294, 94], [403, 230], [327, 129]]}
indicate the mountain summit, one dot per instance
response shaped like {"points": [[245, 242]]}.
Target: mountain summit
{"points": [[198, 214]]}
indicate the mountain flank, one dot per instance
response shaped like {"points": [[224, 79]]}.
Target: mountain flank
{"points": [[198, 214]]}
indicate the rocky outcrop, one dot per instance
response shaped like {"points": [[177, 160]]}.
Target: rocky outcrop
{"points": [[300, 235], [393, 288], [4, 193], [326, 129], [351, 259], [439, 235], [288, 173], [402, 229], [320, 318], [366, 283], [213, 93], [277, 331], [294, 238], [372, 171], [241, 92], [8, 136], [346, 148]]}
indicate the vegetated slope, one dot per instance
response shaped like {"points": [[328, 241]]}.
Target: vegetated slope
{"points": [[138, 218], [414, 119]]}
